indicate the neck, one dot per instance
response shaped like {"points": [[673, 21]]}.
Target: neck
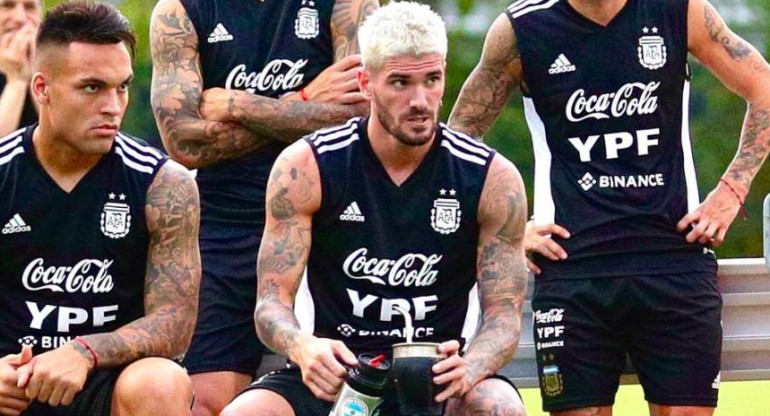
{"points": [[65, 164], [398, 159], [600, 11]]}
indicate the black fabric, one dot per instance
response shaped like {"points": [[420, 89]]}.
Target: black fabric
{"points": [[605, 105], [670, 326], [72, 263], [376, 244], [94, 400], [28, 112]]}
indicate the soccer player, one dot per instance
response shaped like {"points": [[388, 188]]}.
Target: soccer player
{"points": [[233, 84], [621, 240], [99, 261], [19, 20], [388, 211]]}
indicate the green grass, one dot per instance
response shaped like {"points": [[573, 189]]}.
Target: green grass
{"points": [[736, 398]]}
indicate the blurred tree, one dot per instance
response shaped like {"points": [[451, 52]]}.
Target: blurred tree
{"points": [[716, 113]]}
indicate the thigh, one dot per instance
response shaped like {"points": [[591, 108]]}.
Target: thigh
{"points": [[494, 396], [579, 350], [94, 400], [286, 384], [225, 339], [676, 342]]}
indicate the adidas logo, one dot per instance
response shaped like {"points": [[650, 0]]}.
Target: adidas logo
{"points": [[220, 34], [561, 65], [16, 225], [352, 213]]}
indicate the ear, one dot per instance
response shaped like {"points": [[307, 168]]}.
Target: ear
{"points": [[40, 87], [364, 83]]}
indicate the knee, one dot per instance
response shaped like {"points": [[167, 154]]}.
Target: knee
{"points": [[493, 397], [258, 403], [156, 381]]}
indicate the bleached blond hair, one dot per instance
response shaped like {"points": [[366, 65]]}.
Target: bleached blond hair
{"points": [[401, 28]]}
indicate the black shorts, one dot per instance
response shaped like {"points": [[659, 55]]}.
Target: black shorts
{"points": [[288, 384], [669, 325], [94, 400], [225, 338]]}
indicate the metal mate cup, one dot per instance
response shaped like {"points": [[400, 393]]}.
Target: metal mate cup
{"points": [[413, 378]]}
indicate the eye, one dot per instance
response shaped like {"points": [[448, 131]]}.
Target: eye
{"points": [[124, 87], [399, 83], [91, 88]]}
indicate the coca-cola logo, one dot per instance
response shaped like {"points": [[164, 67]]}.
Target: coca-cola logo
{"points": [[87, 276], [632, 98], [277, 75], [409, 270]]}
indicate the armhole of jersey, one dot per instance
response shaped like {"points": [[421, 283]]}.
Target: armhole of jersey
{"points": [[309, 140], [193, 10], [523, 87]]}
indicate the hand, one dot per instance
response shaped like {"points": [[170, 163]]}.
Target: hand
{"points": [[217, 104], [451, 372], [318, 358], [711, 220], [338, 83], [537, 238], [57, 375], [13, 400], [16, 52]]}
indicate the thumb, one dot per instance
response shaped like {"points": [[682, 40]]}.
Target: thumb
{"points": [[341, 351], [23, 357], [24, 373]]}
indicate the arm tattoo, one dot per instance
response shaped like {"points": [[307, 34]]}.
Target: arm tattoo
{"points": [[347, 16], [282, 256], [176, 93], [487, 89], [502, 273], [172, 278], [719, 33], [754, 146]]}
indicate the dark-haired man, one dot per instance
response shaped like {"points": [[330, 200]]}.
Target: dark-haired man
{"points": [[99, 261], [628, 268], [19, 20]]}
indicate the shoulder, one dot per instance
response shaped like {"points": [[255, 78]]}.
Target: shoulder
{"points": [[137, 155], [504, 193], [465, 147], [11, 146], [172, 191], [522, 8], [334, 138]]}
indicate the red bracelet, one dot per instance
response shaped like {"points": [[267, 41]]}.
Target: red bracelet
{"points": [[744, 215], [303, 95], [85, 345]]}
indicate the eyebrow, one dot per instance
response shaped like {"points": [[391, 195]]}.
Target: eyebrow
{"points": [[101, 82]]}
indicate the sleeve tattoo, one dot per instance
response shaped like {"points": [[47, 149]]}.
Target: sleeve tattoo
{"points": [[172, 278], [502, 272], [347, 16]]}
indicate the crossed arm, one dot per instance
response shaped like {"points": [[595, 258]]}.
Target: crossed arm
{"points": [[170, 298], [203, 128]]}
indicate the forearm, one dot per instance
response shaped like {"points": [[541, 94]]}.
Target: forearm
{"points": [[288, 120], [495, 343], [754, 146], [277, 326], [11, 105]]}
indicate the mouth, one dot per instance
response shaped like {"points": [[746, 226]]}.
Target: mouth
{"points": [[106, 128]]}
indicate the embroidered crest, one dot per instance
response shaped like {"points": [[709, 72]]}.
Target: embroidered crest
{"points": [[445, 215], [306, 25], [552, 381], [116, 218], [651, 50]]}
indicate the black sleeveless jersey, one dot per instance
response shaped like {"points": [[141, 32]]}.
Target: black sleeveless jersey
{"points": [[28, 112], [376, 245], [71, 263], [607, 108], [268, 48]]}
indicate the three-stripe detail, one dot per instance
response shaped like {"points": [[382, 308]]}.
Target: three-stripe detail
{"points": [[137, 156]]}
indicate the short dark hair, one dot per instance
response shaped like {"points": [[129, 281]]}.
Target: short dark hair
{"points": [[86, 22]]}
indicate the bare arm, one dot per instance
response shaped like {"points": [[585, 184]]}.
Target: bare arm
{"points": [[502, 271], [742, 69], [172, 280], [487, 89], [347, 16], [16, 49]]}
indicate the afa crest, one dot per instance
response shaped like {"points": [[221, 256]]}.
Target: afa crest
{"points": [[551, 381], [445, 215], [116, 218], [651, 50], [306, 25]]}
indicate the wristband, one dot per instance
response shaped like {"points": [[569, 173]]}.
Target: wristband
{"points": [[85, 345], [303, 95], [743, 208]]}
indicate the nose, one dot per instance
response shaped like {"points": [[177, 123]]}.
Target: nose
{"points": [[419, 98], [18, 15], [112, 104]]}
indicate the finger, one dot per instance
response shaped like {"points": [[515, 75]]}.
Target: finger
{"points": [[342, 351], [319, 393], [697, 232], [543, 248], [447, 364], [9, 411], [45, 392], [348, 62], [350, 85], [68, 397], [687, 220], [351, 98], [555, 248], [708, 235], [719, 238], [448, 392], [12, 402], [449, 347], [33, 387], [449, 376], [554, 229], [533, 267], [23, 374], [56, 395], [324, 385]]}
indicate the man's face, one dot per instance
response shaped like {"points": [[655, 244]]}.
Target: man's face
{"points": [[16, 13], [83, 92], [407, 94]]}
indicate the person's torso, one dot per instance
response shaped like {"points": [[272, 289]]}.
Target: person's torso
{"points": [[377, 246], [267, 48], [607, 109], [71, 263]]}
